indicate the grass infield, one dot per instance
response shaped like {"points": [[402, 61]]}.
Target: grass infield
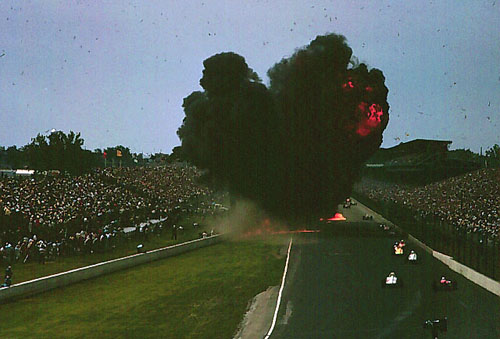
{"points": [[199, 294]]}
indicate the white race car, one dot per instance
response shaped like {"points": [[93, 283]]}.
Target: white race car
{"points": [[392, 281], [412, 257]]}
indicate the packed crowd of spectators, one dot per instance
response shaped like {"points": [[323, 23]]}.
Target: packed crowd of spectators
{"points": [[45, 216], [470, 202]]}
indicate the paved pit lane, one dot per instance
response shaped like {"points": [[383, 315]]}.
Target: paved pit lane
{"points": [[334, 290]]}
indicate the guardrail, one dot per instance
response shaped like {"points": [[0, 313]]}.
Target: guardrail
{"points": [[43, 284]]}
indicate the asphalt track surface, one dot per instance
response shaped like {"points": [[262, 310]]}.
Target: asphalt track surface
{"points": [[333, 289]]}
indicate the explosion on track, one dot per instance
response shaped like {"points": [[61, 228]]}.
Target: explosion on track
{"points": [[297, 146]]}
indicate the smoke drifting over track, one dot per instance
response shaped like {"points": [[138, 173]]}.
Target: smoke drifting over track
{"points": [[297, 147]]}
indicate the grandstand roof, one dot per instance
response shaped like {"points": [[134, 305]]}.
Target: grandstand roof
{"points": [[414, 147]]}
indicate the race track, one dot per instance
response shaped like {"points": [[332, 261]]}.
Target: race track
{"points": [[333, 289]]}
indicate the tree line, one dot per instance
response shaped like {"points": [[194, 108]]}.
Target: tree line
{"points": [[65, 153], [491, 157]]}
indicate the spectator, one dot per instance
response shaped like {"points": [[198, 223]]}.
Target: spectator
{"points": [[174, 232], [471, 202], [8, 277], [87, 213]]}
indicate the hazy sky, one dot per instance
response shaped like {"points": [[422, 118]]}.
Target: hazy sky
{"points": [[117, 71]]}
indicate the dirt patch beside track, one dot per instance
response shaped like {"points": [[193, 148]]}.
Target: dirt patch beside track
{"points": [[259, 316]]}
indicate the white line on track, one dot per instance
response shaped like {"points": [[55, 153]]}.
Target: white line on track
{"points": [[280, 293]]}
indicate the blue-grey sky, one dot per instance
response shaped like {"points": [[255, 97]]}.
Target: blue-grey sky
{"points": [[117, 71]]}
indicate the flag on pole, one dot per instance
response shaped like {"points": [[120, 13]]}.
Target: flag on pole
{"points": [[104, 155], [118, 153]]}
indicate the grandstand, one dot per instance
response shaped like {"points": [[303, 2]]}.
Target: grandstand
{"points": [[55, 208], [418, 161]]}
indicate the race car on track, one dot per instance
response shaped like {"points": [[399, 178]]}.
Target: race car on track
{"points": [[387, 229], [436, 326], [352, 202], [367, 217], [398, 250], [444, 285], [392, 281], [348, 203], [412, 257]]}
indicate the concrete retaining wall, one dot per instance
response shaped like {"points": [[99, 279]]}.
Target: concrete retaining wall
{"points": [[479, 279], [487, 283], [420, 244], [79, 274]]}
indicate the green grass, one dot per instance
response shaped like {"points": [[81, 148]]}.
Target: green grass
{"points": [[24, 272], [200, 294]]}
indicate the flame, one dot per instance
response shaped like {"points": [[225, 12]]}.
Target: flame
{"points": [[372, 118], [296, 231], [261, 232], [268, 228], [337, 217], [348, 85]]}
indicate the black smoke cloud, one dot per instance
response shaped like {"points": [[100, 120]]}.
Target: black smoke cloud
{"points": [[297, 147]]}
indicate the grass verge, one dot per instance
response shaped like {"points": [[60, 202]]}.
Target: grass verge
{"points": [[200, 294]]}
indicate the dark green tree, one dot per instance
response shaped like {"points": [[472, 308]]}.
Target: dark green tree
{"points": [[15, 157], [58, 151], [493, 155], [126, 158], [493, 151], [37, 153]]}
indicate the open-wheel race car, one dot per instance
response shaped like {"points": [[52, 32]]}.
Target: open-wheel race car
{"points": [[367, 217], [444, 284], [392, 281], [412, 257], [397, 249], [387, 229], [347, 203], [436, 326]]}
